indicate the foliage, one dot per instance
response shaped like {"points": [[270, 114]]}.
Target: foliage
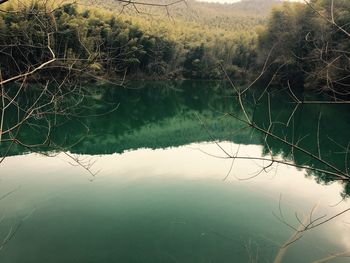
{"points": [[299, 42], [308, 48], [84, 41], [97, 42]]}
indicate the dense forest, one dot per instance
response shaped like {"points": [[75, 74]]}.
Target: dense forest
{"points": [[296, 44]]}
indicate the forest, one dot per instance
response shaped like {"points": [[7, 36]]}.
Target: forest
{"points": [[296, 44]]}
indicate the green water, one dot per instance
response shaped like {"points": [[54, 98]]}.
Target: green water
{"points": [[161, 195]]}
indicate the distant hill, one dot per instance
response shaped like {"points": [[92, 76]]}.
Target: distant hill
{"points": [[244, 7], [253, 12]]}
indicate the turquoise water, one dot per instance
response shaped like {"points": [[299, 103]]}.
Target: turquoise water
{"points": [[164, 192]]}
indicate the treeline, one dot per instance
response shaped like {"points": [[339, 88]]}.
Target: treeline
{"points": [[96, 43], [208, 36], [299, 45], [82, 41]]}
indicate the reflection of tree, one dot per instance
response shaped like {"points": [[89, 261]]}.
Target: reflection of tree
{"points": [[318, 150], [317, 134], [166, 114], [149, 105]]}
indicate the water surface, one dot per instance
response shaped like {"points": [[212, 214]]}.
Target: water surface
{"points": [[165, 191]]}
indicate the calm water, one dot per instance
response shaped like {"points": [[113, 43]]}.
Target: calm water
{"points": [[163, 193]]}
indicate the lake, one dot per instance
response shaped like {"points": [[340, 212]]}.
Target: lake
{"points": [[142, 173]]}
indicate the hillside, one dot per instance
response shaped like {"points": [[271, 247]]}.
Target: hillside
{"points": [[187, 40], [241, 15]]}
